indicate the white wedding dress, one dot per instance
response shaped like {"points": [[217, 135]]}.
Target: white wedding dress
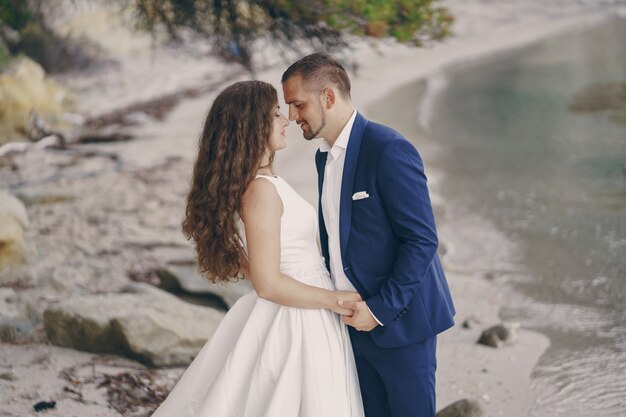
{"points": [[269, 360]]}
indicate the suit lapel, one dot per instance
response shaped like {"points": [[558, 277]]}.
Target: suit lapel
{"points": [[320, 161], [347, 182]]}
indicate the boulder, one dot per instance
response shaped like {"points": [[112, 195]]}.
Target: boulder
{"points": [[13, 222], [187, 279], [500, 335], [145, 323], [25, 89], [17, 318], [607, 97], [462, 408]]}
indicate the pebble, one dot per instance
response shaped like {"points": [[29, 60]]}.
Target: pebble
{"points": [[499, 335], [462, 408], [8, 376]]}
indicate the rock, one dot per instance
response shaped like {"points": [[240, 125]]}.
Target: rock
{"points": [[25, 89], [607, 97], [600, 97], [17, 318], [471, 322], [175, 255], [462, 408], [13, 222], [144, 289], [9, 376], [139, 394], [499, 335], [137, 118], [186, 278], [44, 405], [63, 281], [146, 324]]}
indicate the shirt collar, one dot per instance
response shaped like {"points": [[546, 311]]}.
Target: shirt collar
{"points": [[342, 140]]}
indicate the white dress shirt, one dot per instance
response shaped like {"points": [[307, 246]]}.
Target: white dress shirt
{"points": [[331, 196]]}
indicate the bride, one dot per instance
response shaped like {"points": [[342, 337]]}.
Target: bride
{"points": [[282, 350]]}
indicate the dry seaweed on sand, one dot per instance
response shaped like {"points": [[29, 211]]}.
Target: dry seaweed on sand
{"points": [[131, 391]]}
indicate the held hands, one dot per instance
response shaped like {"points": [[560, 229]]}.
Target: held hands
{"points": [[362, 319], [347, 296]]}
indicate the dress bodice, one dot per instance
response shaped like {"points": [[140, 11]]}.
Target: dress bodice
{"points": [[299, 251]]}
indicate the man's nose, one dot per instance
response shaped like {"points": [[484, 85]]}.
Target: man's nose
{"points": [[293, 114]]}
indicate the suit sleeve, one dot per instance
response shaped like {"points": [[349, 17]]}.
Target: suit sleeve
{"points": [[404, 194]]}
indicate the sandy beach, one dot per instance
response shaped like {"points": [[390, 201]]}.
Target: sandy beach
{"points": [[122, 215]]}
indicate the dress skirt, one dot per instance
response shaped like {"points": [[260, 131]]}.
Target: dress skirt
{"points": [[268, 360]]}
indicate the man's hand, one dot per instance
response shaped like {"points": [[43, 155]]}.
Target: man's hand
{"points": [[362, 318], [344, 296]]}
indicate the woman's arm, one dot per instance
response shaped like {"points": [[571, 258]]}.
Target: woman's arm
{"points": [[261, 213]]}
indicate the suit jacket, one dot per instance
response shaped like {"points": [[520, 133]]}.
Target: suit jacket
{"points": [[388, 240]]}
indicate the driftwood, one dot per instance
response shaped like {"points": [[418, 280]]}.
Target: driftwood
{"points": [[156, 108], [104, 138]]}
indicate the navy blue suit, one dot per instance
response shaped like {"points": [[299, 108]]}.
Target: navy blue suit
{"points": [[389, 253]]}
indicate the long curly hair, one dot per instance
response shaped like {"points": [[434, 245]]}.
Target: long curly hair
{"points": [[234, 141]]}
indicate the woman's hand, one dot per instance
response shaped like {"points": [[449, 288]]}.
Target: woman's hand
{"points": [[343, 296]]}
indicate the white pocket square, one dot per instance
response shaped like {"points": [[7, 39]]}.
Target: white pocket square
{"points": [[360, 195]]}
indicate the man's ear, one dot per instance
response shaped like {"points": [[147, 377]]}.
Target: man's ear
{"points": [[329, 97]]}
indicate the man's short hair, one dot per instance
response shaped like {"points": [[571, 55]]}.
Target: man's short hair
{"points": [[319, 69]]}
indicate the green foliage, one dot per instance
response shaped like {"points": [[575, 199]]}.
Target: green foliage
{"points": [[5, 57], [15, 14], [24, 30], [234, 24], [405, 20]]}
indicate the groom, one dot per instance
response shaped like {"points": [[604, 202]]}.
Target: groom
{"points": [[378, 237]]}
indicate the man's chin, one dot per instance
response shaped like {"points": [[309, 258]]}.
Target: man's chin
{"points": [[310, 134]]}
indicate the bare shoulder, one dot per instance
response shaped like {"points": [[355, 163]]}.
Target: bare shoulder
{"points": [[259, 190], [260, 197]]}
